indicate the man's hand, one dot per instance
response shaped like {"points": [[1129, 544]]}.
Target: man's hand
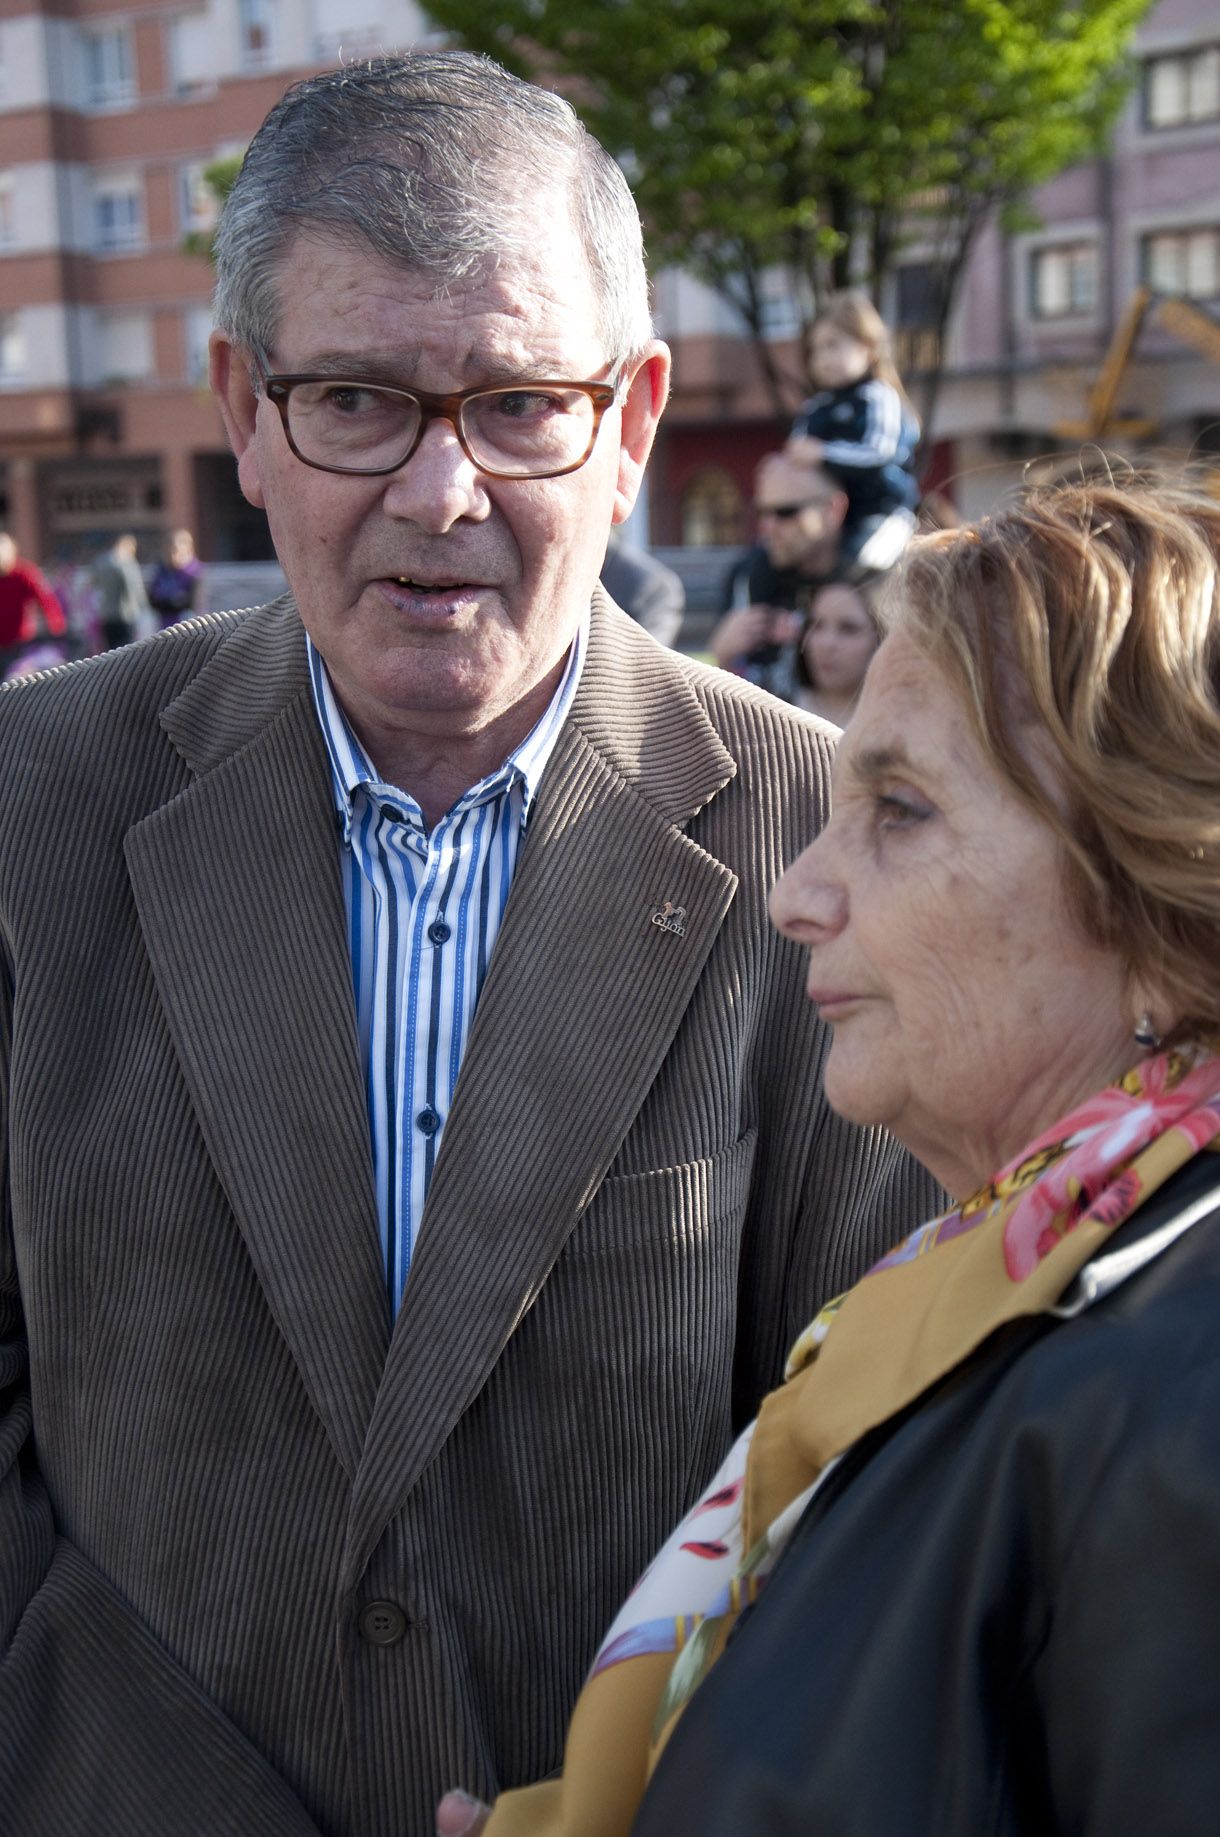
{"points": [[739, 633], [458, 1815]]}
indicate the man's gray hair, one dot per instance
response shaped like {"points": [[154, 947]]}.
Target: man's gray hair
{"points": [[438, 160]]}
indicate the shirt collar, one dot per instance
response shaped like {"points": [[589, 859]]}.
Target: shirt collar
{"points": [[353, 772]]}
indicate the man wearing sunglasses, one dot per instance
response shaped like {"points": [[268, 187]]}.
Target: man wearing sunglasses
{"points": [[415, 1155], [799, 512]]}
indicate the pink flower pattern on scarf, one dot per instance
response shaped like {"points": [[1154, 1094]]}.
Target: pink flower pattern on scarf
{"points": [[1079, 1178]]}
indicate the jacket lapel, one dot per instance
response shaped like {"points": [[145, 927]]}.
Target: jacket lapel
{"points": [[237, 886], [584, 993]]}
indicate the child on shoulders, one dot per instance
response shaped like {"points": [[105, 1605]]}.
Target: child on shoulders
{"points": [[861, 429]]}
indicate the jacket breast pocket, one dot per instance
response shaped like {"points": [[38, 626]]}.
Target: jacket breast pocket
{"points": [[675, 1208], [651, 1274]]}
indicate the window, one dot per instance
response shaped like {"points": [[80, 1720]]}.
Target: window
{"points": [[1063, 280], [1183, 261], [8, 210], [917, 345], [126, 346], [256, 27], [110, 78], [12, 348], [117, 217], [1182, 88], [778, 309], [197, 330], [197, 206], [192, 55], [917, 295], [347, 26], [711, 510]]}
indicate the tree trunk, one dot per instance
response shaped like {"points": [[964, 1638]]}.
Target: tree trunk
{"points": [[951, 268], [751, 311]]}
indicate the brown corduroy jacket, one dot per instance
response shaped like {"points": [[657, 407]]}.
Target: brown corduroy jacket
{"points": [[215, 1454]]}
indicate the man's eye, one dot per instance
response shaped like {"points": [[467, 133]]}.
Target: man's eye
{"points": [[528, 404], [347, 399]]}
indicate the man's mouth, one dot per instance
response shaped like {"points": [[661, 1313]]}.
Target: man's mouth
{"points": [[433, 586], [433, 603]]}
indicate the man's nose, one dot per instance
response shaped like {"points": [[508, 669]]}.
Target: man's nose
{"points": [[439, 485], [809, 901]]}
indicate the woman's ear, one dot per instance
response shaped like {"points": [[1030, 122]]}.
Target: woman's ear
{"points": [[1153, 1016]]}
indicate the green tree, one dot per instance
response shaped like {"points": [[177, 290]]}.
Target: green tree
{"points": [[818, 137], [219, 177]]}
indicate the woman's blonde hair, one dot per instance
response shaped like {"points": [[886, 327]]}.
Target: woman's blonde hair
{"points": [[1091, 615]]}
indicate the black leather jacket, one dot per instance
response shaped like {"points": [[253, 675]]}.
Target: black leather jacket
{"points": [[1001, 1614]]}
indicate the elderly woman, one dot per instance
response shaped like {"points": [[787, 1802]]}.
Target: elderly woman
{"points": [[969, 1555]]}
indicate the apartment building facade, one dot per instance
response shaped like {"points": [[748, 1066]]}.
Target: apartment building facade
{"points": [[1035, 316], [108, 117], [109, 114], [1039, 310]]}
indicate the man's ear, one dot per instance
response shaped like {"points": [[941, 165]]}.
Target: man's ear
{"points": [[229, 373], [646, 398]]}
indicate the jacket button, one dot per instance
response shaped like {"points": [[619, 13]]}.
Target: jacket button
{"points": [[383, 1623]]}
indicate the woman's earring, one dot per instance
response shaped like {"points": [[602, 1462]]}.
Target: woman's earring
{"points": [[1146, 1034]]}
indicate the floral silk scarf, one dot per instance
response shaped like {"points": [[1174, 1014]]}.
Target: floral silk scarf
{"points": [[1011, 1250]]}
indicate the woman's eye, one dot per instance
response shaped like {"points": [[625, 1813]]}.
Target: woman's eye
{"points": [[894, 812]]}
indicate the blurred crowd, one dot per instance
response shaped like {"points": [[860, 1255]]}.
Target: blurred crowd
{"points": [[81, 609], [802, 607], [835, 507]]}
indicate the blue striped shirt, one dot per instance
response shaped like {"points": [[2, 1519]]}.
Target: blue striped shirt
{"points": [[423, 913]]}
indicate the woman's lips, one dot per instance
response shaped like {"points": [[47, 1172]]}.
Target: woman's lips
{"points": [[831, 1001]]}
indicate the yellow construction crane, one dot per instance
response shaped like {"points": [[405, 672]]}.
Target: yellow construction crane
{"points": [[1183, 318]]}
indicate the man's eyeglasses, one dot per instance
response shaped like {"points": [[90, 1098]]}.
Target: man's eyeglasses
{"points": [[517, 430]]}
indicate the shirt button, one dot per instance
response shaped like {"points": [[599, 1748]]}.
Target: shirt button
{"points": [[382, 1623], [438, 931], [428, 1122]]}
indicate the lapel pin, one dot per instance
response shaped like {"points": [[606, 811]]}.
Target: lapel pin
{"points": [[671, 918]]}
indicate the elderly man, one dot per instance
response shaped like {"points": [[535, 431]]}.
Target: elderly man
{"points": [[415, 1157], [799, 511]]}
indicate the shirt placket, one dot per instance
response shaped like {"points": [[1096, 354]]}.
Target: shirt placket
{"points": [[430, 980]]}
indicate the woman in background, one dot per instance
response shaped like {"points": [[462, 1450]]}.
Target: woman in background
{"points": [[836, 645], [176, 588]]}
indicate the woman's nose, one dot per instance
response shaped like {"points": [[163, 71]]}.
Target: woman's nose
{"points": [[808, 902]]}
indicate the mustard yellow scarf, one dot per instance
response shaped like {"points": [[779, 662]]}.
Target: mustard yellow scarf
{"points": [[1009, 1251]]}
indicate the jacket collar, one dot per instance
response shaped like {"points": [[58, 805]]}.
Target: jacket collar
{"points": [[251, 678], [238, 890], [657, 737]]}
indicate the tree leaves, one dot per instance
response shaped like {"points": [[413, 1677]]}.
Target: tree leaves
{"points": [[801, 134]]}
